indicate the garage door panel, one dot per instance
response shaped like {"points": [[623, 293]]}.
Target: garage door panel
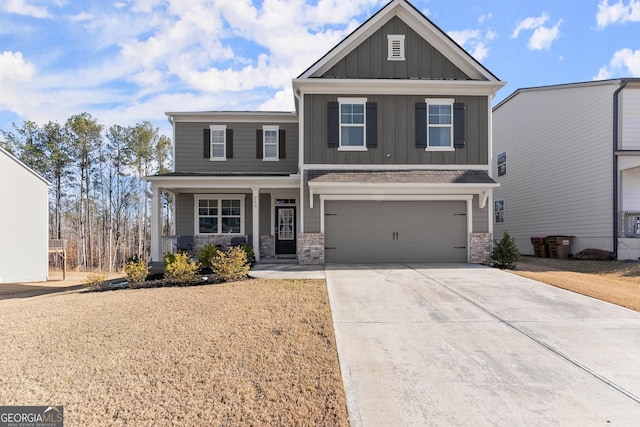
{"points": [[370, 231]]}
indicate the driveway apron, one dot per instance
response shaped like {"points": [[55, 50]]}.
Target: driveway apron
{"points": [[437, 344]]}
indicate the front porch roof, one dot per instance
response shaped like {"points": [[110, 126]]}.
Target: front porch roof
{"points": [[405, 182], [185, 181]]}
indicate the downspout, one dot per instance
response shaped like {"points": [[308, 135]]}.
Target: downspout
{"points": [[616, 216], [300, 98]]}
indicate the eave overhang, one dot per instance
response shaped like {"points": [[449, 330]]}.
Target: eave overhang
{"points": [[177, 184]]}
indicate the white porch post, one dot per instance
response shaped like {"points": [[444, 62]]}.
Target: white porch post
{"points": [[156, 223], [256, 222]]}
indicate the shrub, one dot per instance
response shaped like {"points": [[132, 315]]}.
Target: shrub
{"points": [[232, 264], [180, 268], [94, 279], [136, 270], [248, 250], [207, 254], [505, 253]]}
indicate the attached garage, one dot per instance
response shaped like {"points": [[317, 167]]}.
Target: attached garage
{"points": [[395, 231]]}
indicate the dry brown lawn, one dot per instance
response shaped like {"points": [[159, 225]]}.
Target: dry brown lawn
{"points": [[617, 282], [256, 352]]}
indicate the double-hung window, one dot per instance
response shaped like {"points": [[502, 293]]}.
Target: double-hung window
{"points": [[352, 123], [439, 124], [271, 142], [498, 211], [218, 142], [220, 214]]}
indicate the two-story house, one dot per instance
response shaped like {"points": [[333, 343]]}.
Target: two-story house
{"points": [[567, 158], [386, 158]]}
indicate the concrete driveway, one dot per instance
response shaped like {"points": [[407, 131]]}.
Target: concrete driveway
{"points": [[427, 344]]}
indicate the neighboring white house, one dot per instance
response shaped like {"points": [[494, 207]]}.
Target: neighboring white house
{"points": [[567, 158], [24, 214]]}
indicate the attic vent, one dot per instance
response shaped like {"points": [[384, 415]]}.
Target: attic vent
{"points": [[395, 47]]}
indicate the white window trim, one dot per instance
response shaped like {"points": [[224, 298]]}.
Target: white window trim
{"points": [[440, 101], [391, 39], [223, 128], [362, 101], [219, 198], [266, 128]]}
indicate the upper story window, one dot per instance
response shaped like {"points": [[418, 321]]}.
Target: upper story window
{"points": [[218, 142], [271, 143], [439, 124], [352, 123], [395, 47]]}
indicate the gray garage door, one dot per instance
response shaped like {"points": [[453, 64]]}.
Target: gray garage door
{"points": [[367, 231]]}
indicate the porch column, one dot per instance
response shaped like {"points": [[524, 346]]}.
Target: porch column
{"points": [[256, 222], [156, 224]]}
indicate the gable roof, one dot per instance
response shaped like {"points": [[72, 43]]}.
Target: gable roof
{"points": [[15, 159], [420, 24]]}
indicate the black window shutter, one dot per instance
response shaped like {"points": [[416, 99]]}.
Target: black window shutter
{"points": [[421, 125], [206, 143], [372, 124], [282, 144], [333, 124], [259, 154], [229, 143], [458, 125]]}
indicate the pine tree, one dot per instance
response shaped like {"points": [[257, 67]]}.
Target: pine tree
{"points": [[505, 252]]}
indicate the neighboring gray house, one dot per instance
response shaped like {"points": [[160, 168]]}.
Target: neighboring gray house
{"points": [[567, 158], [24, 222], [386, 158]]}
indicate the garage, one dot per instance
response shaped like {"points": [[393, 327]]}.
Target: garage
{"points": [[395, 231]]}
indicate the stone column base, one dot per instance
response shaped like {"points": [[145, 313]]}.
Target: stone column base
{"points": [[310, 248], [481, 245]]}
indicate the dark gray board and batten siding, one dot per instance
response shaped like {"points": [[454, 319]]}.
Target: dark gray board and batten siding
{"points": [[369, 59], [189, 149], [396, 133]]}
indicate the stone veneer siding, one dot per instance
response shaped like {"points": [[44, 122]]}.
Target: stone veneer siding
{"points": [[267, 246], [310, 248], [481, 244]]}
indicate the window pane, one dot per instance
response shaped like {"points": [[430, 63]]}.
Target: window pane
{"points": [[439, 114], [208, 225], [218, 150], [231, 225], [231, 207], [352, 114], [270, 137], [217, 136], [270, 151], [352, 136], [439, 137]]}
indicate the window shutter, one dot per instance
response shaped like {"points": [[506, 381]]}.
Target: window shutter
{"points": [[259, 147], [421, 124], [333, 124], [282, 144], [229, 144], [372, 124], [206, 143], [458, 125]]}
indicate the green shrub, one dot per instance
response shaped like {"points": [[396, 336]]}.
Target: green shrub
{"points": [[207, 254], [136, 270], [248, 250], [232, 264], [180, 268], [505, 253], [94, 279]]}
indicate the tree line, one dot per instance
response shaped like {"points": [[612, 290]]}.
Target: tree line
{"points": [[98, 200]]}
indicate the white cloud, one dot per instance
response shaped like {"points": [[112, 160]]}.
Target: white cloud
{"points": [[14, 68], [474, 41], [530, 23], [542, 36], [617, 12], [624, 63], [21, 7]]}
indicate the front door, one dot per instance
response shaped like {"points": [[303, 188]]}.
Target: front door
{"points": [[285, 230]]}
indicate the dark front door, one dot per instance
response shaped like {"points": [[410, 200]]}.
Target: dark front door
{"points": [[285, 230]]}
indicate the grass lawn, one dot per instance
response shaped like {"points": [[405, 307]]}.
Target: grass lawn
{"points": [[255, 352], [617, 282]]}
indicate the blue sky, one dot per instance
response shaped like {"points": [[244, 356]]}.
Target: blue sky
{"points": [[125, 61]]}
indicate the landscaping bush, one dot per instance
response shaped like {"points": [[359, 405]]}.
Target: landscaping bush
{"points": [[505, 253], [94, 279], [180, 268], [207, 254], [232, 264], [136, 269], [248, 250]]}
